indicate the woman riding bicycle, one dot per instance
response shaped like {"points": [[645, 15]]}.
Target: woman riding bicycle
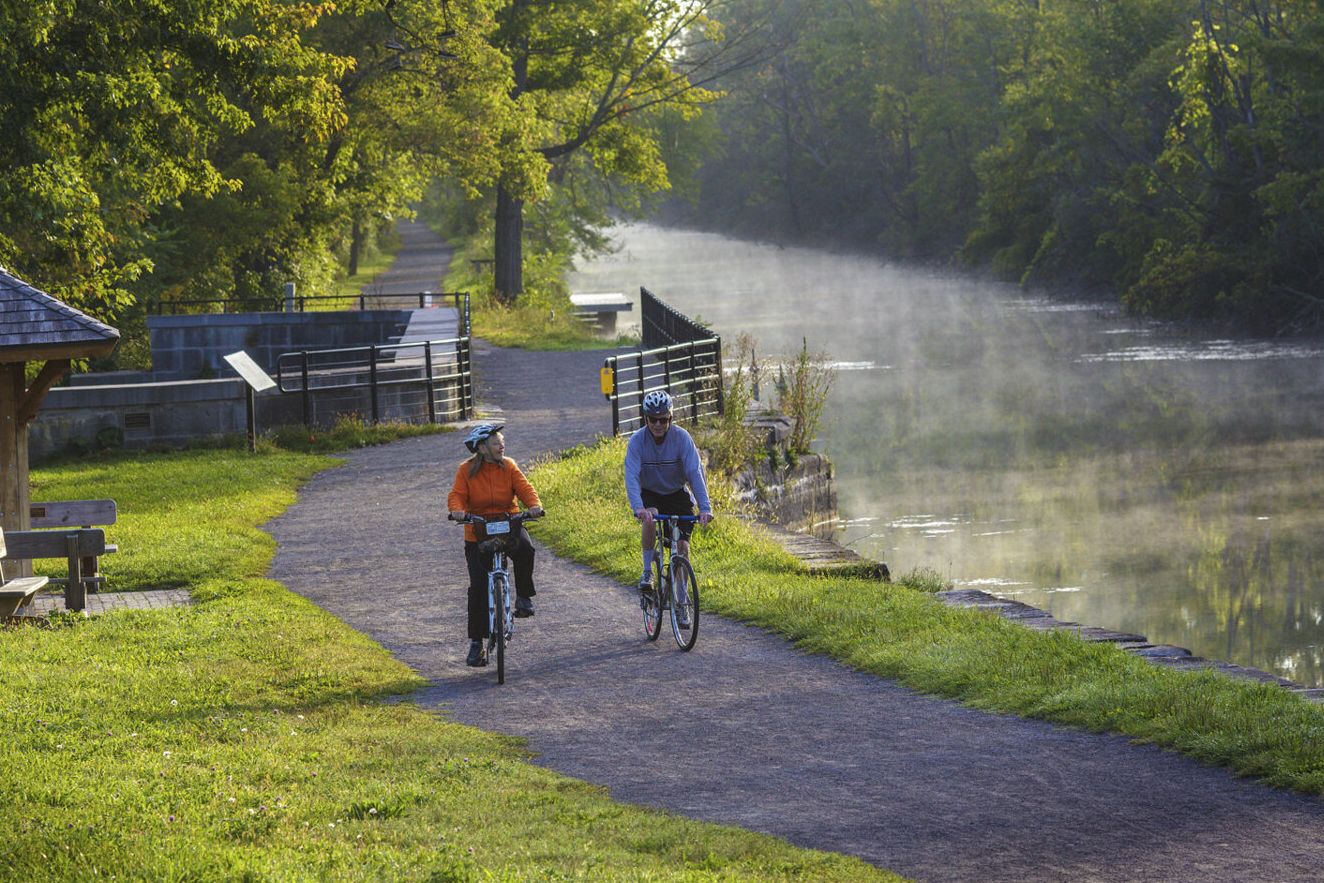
{"points": [[660, 460], [488, 484]]}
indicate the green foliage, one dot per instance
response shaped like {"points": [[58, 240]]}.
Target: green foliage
{"points": [[731, 444], [898, 631], [1107, 145], [254, 736], [113, 113], [802, 391]]}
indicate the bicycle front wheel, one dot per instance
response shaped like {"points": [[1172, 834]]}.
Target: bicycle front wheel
{"points": [[684, 603], [500, 600], [651, 600]]}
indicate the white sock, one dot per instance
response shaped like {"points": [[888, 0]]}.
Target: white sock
{"points": [[648, 565]]}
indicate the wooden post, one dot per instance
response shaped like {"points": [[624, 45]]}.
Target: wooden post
{"points": [[75, 593], [14, 456]]}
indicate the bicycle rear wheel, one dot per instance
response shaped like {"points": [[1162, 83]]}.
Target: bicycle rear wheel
{"points": [[684, 603], [651, 601], [500, 593]]}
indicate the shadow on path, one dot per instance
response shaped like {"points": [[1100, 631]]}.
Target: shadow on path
{"points": [[746, 730]]}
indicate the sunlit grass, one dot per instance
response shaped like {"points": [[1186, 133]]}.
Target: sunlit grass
{"points": [[247, 736], [542, 319], [347, 290], [901, 632]]}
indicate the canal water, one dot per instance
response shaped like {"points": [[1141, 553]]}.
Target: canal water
{"points": [[1113, 472]]}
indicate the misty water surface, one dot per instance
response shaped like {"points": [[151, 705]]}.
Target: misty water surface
{"points": [[1112, 472]]}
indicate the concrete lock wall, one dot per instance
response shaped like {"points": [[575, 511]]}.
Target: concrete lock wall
{"points": [[136, 415], [139, 410], [173, 413], [193, 347]]}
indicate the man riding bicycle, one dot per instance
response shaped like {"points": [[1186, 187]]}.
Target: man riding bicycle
{"points": [[660, 460]]}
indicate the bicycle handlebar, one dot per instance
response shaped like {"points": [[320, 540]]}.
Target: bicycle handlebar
{"points": [[516, 518]]}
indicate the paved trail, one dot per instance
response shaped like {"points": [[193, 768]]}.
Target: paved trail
{"points": [[745, 729]]}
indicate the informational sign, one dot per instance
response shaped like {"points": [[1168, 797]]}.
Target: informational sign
{"points": [[257, 380], [251, 371]]}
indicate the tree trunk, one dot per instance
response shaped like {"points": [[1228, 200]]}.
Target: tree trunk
{"points": [[355, 246], [508, 250]]}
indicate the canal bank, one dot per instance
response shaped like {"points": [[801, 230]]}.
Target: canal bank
{"points": [[789, 501]]}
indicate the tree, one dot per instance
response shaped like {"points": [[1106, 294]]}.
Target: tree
{"points": [[113, 111], [584, 75]]}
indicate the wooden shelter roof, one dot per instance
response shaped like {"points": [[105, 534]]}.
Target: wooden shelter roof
{"points": [[36, 327]]}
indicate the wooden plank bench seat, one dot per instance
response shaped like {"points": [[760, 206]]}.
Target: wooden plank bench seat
{"points": [[18, 592], [73, 545]]}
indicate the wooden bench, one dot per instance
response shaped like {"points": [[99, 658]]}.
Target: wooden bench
{"points": [[72, 545], [600, 309], [78, 513], [18, 592]]}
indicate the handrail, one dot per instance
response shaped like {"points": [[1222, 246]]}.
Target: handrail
{"points": [[691, 372], [308, 372], [300, 301]]}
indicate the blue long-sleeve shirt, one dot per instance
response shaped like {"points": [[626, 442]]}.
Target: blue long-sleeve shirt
{"points": [[664, 467]]}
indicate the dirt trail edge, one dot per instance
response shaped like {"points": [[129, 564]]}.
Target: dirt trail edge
{"points": [[746, 730]]}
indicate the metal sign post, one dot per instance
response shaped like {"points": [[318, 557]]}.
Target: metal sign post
{"points": [[255, 380]]}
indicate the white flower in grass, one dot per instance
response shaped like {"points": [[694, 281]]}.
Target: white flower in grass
{"points": [[165, 753], [174, 701]]}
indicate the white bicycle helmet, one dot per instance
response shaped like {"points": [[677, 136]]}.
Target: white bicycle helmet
{"points": [[656, 402], [481, 433]]}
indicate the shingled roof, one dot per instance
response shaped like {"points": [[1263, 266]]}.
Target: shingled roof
{"points": [[36, 327]]}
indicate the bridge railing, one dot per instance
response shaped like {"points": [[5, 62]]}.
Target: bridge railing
{"points": [[402, 381], [301, 303], [691, 372]]}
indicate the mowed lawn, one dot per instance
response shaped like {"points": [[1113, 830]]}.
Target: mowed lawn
{"points": [[254, 736]]}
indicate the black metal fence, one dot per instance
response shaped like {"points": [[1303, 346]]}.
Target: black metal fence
{"points": [[662, 325], [301, 303], [427, 380], [691, 372], [680, 356]]}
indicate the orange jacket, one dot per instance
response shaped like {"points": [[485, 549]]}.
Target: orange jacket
{"points": [[491, 492]]}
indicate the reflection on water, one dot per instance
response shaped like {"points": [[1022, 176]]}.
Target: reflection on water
{"points": [[1112, 472]]}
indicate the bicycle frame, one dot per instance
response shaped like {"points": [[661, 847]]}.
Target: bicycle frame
{"points": [[500, 613], [685, 617]]}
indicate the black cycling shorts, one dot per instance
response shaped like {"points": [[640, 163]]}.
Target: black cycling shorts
{"points": [[679, 503]]}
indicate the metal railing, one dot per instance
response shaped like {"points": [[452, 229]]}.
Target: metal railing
{"points": [[299, 303], [663, 325], [433, 377], [691, 372]]}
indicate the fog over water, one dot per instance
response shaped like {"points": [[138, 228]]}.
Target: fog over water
{"points": [[1113, 472]]}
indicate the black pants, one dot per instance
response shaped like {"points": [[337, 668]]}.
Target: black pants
{"points": [[480, 565]]}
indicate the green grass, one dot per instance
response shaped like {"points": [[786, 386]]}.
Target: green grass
{"points": [[254, 736], [901, 632], [542, 318], [349, 288]]}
